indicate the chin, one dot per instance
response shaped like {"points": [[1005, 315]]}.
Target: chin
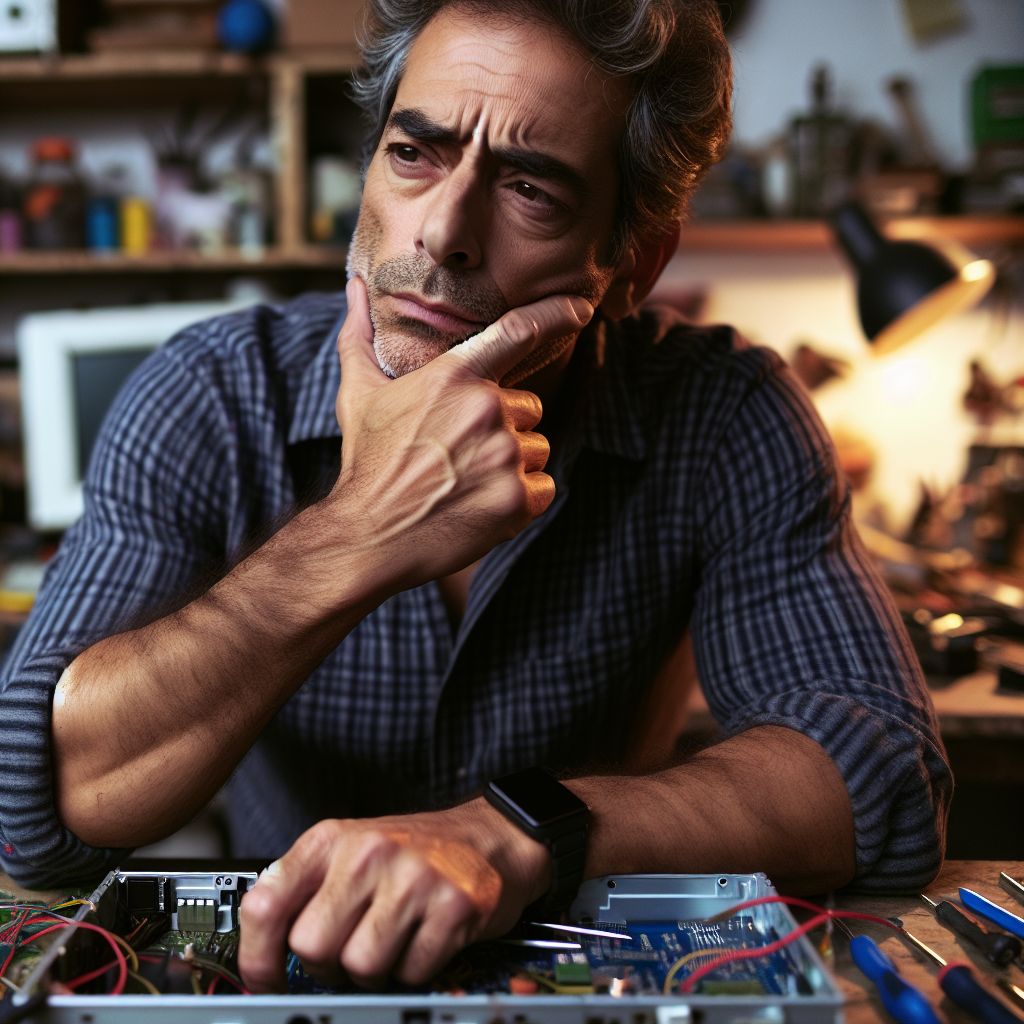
{"points": [[401, 351]]}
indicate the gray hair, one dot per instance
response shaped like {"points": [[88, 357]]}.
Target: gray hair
{"points": [[674, 51]]}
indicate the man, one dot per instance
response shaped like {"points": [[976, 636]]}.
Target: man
{"points": [[503, 571]]}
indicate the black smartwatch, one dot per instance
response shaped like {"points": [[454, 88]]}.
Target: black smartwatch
{"points": [[552, 814]]}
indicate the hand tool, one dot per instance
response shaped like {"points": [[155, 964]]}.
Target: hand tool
{"points": [[999, 948], [541, 943], [1011, 885], [995, 913], [961, 984], [575, 929], [906, 1003]]}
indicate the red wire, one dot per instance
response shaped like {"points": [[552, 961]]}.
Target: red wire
{"points": [[823, 915], [212, 987], [796, 901], [750, 954], [12, 938], [119, 957]]}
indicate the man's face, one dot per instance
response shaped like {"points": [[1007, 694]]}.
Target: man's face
{"points": [[495, 183]]}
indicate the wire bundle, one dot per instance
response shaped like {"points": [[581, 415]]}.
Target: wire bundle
{"points": [[32, 921], [822, 916]]}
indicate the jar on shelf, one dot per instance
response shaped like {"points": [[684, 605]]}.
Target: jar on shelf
{"points": [[54, 197]]}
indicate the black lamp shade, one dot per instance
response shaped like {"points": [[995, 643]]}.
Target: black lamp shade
{"points": [[903, 287]]}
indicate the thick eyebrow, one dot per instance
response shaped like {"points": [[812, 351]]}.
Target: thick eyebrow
{"points": [[415, 123]]}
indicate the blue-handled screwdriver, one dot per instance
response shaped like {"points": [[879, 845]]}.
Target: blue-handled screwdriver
{"points": [[961, 984], [995, 913], [905, 1003]]}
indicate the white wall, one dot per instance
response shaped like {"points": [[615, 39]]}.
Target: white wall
{"points": [[865, 42]]}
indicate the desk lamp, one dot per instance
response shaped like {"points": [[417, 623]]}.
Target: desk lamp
{"points": [[903, 288]]}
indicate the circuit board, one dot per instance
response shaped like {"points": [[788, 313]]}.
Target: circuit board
{"points": [[179, 936], [650, 958]]}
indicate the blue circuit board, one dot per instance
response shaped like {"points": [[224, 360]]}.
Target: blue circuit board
{"points": [[640, 962]]}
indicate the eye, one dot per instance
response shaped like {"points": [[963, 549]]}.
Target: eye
{"points": [[534, 194], [402, 153]]}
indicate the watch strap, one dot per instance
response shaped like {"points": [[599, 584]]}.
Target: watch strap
{"points": [[565, 835]]}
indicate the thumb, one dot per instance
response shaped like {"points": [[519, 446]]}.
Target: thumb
{"points": [[510, 339], [359, 366]]}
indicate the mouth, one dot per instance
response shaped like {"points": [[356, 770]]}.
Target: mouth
{"points": [[438, 315]]}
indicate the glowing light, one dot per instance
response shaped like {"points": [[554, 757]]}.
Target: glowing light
{"points": [[977, 270]]}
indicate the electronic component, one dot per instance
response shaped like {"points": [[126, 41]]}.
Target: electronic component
{"points": [[636, 939]]}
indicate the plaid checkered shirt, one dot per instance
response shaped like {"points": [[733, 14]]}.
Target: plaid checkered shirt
{"points": [[696, 490]]}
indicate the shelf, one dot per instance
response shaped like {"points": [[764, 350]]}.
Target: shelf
{"points": [[726, 236], [75, 262], [794, 235], [159, 64]]}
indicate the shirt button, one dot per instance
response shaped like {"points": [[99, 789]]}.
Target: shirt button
{"points": [[461, 772]]}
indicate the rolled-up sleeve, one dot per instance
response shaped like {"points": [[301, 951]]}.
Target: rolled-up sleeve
{"points": [[793, 627], [151, 524]]}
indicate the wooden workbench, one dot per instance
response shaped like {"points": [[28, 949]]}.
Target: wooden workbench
{"points": [[862, 1004]]}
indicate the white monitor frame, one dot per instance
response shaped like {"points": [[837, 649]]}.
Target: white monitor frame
{"points": [[47, 344]]}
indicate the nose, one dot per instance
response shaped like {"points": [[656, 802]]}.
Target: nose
{"points": [[454, 221]]}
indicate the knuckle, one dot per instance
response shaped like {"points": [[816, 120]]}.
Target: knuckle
{"points": [[361, 961], [318, 839], [517, 326], [486, 410], [511, 502], [453, 904], [310, 945], [507, 452], [370, 850], [259, 907]]}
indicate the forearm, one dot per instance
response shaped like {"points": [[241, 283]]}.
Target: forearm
{"points": [[148, 724], [768, 799]]}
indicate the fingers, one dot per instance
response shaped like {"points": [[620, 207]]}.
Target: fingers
{"points": [[510, 339], [365, 906], [414, 925], [269, 908], [522, 410], [359, 366], [264, 920], [535, 451]]}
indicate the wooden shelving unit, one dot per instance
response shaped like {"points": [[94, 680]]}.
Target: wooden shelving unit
{"points": [[101, 81], [83, 262], [726, 236], [792, 235], [156, 64], [38, 82]]}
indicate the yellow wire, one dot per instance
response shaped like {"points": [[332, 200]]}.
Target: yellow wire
{"points": [[666, 988], [144, 982], [72, 903], [128, 951], [196, 987]]}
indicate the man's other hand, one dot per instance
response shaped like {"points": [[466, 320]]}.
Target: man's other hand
{"points": [[388, 898], [441, 464]]}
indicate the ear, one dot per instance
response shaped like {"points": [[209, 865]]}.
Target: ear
{"points": [[637, 273]]}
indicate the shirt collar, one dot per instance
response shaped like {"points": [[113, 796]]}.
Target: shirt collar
{"points": [[609, 421]]}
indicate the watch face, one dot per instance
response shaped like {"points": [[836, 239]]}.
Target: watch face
{"points": [[537, 798]]}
